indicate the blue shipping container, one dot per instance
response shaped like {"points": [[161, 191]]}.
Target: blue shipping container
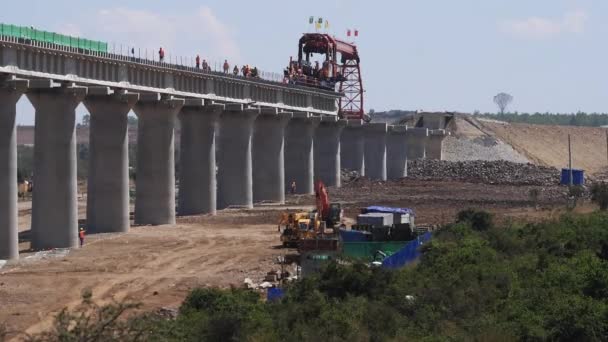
{"points": [[578, 177]]}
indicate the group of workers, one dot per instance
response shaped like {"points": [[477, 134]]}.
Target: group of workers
{"points": [[245, 71], [306, 74]]}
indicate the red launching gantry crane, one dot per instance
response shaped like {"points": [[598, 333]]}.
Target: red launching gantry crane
{"points": [[342, 66]]}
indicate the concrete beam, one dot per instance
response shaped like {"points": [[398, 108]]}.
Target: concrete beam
{"points": [[198, 182], [327, 151], [9, 240], [375, 150], [299, 152], [234, 178], [155, 178], [352, 145], [415, 142], [54, 204], [108, 179], [396, 152], [269, 156]]}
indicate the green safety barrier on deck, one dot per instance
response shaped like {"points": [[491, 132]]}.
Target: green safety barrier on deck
{"points": [[367, 250], [52, 38]]}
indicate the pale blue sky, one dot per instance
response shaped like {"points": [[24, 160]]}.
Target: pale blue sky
{"points": [[551, 55]]}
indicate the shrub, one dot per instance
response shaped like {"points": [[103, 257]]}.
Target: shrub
{"points": [[599, 195], [479, 220]]}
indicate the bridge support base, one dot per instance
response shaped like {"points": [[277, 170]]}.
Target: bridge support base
{"points": [[108, 181], [415, 143], [396, 153], [327, 151], [268, 157], [9, 240], [234, 179], [198, 184], [351, 147], [375, 150], [155, 177], [434, 144], [299, 153], [54, 203]]}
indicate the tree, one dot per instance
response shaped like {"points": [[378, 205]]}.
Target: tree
{"points": [[503, 100], [599, 195]]}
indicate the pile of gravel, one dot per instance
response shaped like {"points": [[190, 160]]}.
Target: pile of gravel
{"points": [[349, 175], [479, 148], [488, 172]]}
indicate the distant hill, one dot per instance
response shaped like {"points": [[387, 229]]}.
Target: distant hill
{"points": [[573, 119]]}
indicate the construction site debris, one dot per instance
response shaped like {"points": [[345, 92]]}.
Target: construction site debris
{"points": [[487, 172]]}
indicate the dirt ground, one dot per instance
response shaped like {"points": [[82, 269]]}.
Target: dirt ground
{"points": [[157, 266], [548, 144]]}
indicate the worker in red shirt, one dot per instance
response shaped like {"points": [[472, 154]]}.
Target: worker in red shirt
{"points": [[161, 55], [198, 61], [81, 236], [226, 67]]}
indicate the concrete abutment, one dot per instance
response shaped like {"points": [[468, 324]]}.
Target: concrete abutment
{"points": [[415, 143], [434, 145], [396, 152]]}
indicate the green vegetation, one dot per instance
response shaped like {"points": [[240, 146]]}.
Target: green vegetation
{"points": [[475, 281], [578, 119], [599, 195]]}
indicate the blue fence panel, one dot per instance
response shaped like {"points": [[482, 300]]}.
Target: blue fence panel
{"points": [[275, 293], [407, 254]]}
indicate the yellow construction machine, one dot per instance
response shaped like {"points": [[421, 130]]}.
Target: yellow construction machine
{"points": [[296, 226]]}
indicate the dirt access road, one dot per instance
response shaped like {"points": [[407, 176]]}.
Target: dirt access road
{"points": [[157, 266]]}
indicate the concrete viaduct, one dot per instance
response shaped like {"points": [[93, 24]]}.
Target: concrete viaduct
{"points": [[242, 141]]}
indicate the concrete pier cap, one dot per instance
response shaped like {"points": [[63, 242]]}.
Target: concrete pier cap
{"points": [[327, 161], [235, 178], [155, 178], [198, 183], [269, 155], [396, 152], [375, 150], [54, 203], [416, 141], [11, 90], [299, 152], [108, 179]]}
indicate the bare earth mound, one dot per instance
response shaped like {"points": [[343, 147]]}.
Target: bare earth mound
{"points": [[548, 145]]}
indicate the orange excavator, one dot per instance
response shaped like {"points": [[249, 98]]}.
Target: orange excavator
{"points": [[308, 225]]}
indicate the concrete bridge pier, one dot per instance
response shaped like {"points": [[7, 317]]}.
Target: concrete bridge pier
{"points": [[434, 145], [10, 92], [234, 178], [54, 203], [155, 173], [198, 183], [375, 150], [108, 179], [269, 156], [299, 152], [415, 143], [327, 150], [352, 147], [396, 153]]}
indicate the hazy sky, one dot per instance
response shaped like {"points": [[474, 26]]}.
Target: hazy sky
{"points": [[551, 55]]}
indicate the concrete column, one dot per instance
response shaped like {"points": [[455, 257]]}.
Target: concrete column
{"points": [[327, 150], [155, 177], [352, 147], [54, 203], [375, 150], [415, 143], [269, 156], [197, 183], [434, 145], [108, 179], [299, 152], [396, 153], [9, 240], [234, 178]]}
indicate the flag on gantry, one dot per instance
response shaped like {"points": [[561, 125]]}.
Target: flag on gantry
{"points": [[318, 26], [311, 20], [320, 21], [326, 24], [356, 33], [348, 33]]}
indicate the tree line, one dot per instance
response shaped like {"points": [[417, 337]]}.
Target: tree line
{"points": [[572, 119]]}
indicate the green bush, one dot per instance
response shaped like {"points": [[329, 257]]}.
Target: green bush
{"points": [[599, 195]]}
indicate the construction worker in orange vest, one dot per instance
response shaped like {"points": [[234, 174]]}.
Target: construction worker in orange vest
{"points": [[81, 236]]}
